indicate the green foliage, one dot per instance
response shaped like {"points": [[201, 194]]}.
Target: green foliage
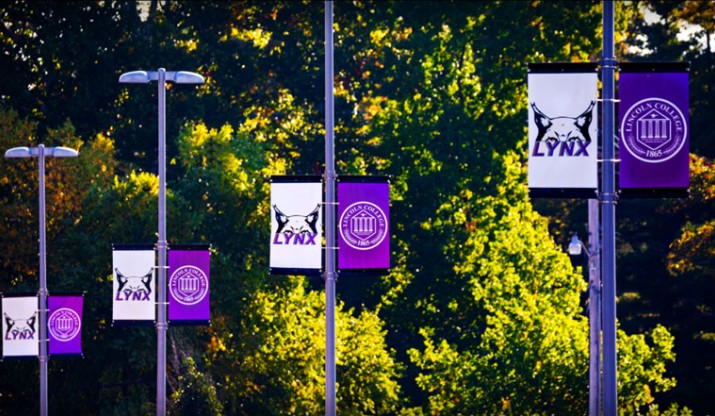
{"points": [[532, 353], [641, 368], [274, 364], [694, 249], [673, 410], [196, 395], [267, 346]]}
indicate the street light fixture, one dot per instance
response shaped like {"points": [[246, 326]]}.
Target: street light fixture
{"points": [[162, 77], [40, 152], [576, 247]]}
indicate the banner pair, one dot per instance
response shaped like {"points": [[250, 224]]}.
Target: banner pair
{"points": [[134, 286], [362, 222], [21, 331], [652, 127]]}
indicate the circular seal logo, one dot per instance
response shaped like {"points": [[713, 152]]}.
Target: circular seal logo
{"points": [[653, 130], [64, 324], [188, 285], [363, 225]]}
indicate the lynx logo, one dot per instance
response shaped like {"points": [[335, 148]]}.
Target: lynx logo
{"points": [[18, 329], [363, 225], [296, 229], [64, 324], [562, 136], [653, 130], [188, 285], [133, 288]]}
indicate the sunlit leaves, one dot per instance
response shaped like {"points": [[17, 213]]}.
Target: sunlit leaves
{"points": [[642, 367], [277, 365], [694, 249]]}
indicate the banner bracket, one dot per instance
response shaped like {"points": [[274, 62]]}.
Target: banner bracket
{"points": [[607, 197]]}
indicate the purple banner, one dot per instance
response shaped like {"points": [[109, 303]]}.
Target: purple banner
{"points": [[363, 224], [654, 127], [64, 324], [188, 284]]}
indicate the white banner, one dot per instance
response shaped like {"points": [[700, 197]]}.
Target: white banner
{"points": [[133, 294], [563, 134], [20, 327], [296, 225]]}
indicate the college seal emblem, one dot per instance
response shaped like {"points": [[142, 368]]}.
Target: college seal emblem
{"points": [[653, 130], [188, 285], [363, 225], [64, 324]]}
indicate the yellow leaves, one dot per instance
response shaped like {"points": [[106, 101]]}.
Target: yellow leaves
{"points": [[460, 217], [694, 248], [403, 35], [138, 184], [374, 141], [446, 33], [188, 45], [257, 36], [216, 345], [276, 166], [370, 106], [343, 90], [378, 35]]}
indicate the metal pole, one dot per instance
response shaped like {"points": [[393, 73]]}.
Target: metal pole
{"points": [[161, 325], [40, 152], [43, 285], [329, 218], [143, 77], [594, 309], [608, 201]]}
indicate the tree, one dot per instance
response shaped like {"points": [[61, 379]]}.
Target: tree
{"points": [[430, 93], [273, 363], [654, 285], [445, 134], [195, 396], [529, 352], [270, 360]]}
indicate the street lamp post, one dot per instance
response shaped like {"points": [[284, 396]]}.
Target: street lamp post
{"points": [[330, 239], [40, 152], [576, 248], [162, 77]]}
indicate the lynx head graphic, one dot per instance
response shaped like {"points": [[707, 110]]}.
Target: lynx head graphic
{"points": [[563, 128], [134, 284], [296, 224], [20, 328]]}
